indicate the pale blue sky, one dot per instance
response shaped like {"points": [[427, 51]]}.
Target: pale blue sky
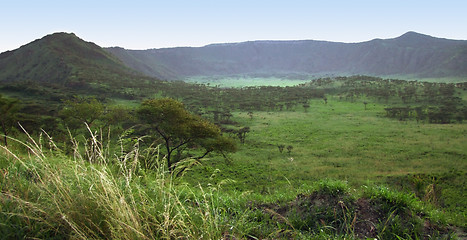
{"points": [[141, 24]]}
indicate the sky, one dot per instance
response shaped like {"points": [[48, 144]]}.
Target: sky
{"points": [[144, 24]]}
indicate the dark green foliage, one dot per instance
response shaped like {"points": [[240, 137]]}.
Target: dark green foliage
{"points": [[447, 191], [289, 149], [8, 116], [281, 147], [180, 129], [79, 111], [331, 208], [434, 102]]}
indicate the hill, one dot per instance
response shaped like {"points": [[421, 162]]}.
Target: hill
{"points": [[411, 54], [62, 59], [62, 63]]}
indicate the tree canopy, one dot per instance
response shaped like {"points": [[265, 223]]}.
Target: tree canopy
{"points": [[81, 110], [180, 129], [8, 115]]}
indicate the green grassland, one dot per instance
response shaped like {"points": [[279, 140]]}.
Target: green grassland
{"points": [[341, 140], [98, 195], [348, 164]]}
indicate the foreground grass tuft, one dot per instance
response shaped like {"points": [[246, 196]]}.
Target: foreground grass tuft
{"points": [[48, 195]]}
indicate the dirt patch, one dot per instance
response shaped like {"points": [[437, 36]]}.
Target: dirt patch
{"points": [[362, 218], [367, 217]]}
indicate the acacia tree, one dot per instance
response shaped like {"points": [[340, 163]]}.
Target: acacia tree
{"points": [[241, 133], [178, 129], [8, 116], [81, 110]]}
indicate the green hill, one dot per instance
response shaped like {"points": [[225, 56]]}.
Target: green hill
{"points": [[62, 63], [62, 59]]}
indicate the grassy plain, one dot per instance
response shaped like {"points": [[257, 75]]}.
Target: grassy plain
{"points": [[237, 82], [342, 153], [97, 195], [341, 140]]}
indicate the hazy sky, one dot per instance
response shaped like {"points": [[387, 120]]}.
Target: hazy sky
{"points": [[143, 24]]}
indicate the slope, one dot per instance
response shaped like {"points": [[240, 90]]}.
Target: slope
{"points": [[411, 54], [61, 65], [61, 59]]}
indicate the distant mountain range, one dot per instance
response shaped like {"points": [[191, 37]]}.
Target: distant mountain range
{"points": [[411, 54], [66, 60]]}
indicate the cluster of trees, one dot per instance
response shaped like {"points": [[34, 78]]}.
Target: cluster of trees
{"points": [[199, 98], [423, 101], [8, 115], [166, 121], [57, 111], [442, 114], [386, 90]]}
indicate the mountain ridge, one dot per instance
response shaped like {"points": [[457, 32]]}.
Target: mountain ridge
{"points": [[409, 54], [67, 60]]}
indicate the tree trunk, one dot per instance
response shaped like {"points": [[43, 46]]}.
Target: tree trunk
{"points": [[5, 133]]}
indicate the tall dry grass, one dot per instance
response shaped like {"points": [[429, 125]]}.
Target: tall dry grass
{"points": [[97, 195]]}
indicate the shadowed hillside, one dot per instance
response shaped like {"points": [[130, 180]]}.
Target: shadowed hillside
{"points": [[63, 64], [411, 54], [62, 59]]}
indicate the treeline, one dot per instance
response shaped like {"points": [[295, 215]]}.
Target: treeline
{"points": [[161, 122], [43, 105], [422, 101], [200, 98]]}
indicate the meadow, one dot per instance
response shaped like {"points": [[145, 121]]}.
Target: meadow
{"points": [[341, 140], [330, 165]]}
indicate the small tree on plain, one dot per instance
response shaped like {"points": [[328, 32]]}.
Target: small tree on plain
{"points": [[281, 147], [289, 149]]}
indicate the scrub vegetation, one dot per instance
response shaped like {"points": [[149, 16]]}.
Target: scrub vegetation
{"points": [[344, 157]]}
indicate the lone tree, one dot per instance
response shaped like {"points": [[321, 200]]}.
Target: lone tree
{"points": [[281, 147], [8, 116], [178, 129], [241, 133]]}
